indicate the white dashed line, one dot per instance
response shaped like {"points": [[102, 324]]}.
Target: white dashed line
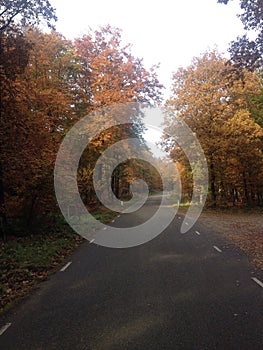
{"points": [[92, 241], [66, 266], [216, 248], [4, 328], [198, 233], [257, 281]]}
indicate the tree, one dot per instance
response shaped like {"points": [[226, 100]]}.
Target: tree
{"points": [[13, 60], [244, 51], [243, 153], [110, 75], [36, 111], [255, 103], [13, 15], [30, 12], [49, 83], [212, 99]]}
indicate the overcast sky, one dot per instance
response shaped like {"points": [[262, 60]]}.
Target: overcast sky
{"points": [[169, 32]]}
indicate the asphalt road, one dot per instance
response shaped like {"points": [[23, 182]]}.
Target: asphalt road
{"points": [[178, 291]]}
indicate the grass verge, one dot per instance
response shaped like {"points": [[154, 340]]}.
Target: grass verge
{"points": [[27, 260]]}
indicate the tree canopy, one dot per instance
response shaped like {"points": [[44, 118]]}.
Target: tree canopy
{"points": [[214, 101], [245, 51], [49, 83], [28, 12]]}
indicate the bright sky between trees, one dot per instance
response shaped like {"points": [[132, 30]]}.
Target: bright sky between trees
{"points": [[168, 32]]}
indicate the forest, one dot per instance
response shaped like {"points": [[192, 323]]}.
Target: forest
{"points": [[48, 83], [223, 106]]}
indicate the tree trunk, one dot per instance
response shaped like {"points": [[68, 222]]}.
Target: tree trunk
{"points": [[31, 209], [212, 182], [245, 189], [3, 219]]}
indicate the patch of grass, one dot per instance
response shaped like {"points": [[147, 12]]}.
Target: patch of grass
{"points": [[246, 210], [231, 210], [184, 206], [103, 214], [29, 259]]}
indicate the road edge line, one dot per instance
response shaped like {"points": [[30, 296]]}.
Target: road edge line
{"points": [[4, 328], [256, 280], [66, 266]]}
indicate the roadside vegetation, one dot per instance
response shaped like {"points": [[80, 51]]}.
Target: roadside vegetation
{"points": [[30, 257], [27, 260]]}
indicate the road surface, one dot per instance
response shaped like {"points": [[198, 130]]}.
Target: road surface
{"points": [[178, 291]]}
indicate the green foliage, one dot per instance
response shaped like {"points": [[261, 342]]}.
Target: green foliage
{"points": [[255, 103], [28, 259]]}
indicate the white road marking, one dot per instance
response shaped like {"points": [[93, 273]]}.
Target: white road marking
{"points": [[187, 223], [257, 281], [105, 228], [4, 328], [216, 248], [66, 266], [118, 216], [198, 233], [92, 240]]}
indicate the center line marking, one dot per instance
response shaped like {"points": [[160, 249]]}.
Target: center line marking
{"points": [[4, 328], [257, 281], [198, 233], [216, 248], [66, 266]]}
